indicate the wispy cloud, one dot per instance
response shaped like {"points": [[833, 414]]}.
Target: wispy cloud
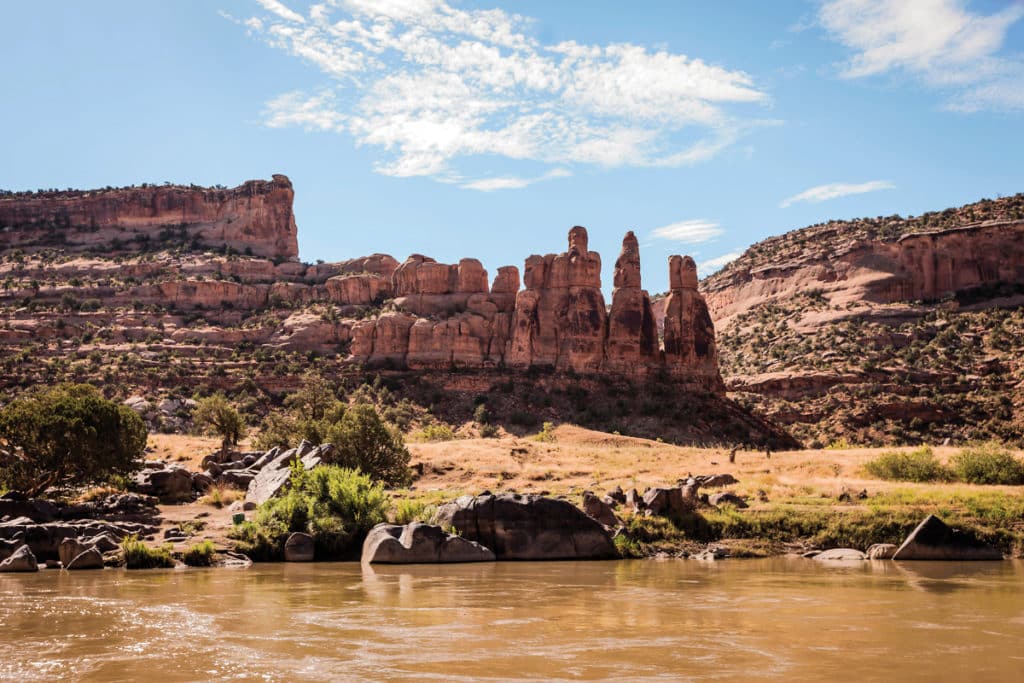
{"points": [[939, 42], [512, 182], [688, 232], [431, 85], [713, 264], [821, 193]]}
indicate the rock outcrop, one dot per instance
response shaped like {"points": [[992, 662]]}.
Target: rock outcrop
{"points": [[527, 527], [255, 217], [934, 540], [21, 560], [418, 543]]}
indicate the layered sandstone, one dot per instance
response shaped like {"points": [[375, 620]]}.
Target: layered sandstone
{"points": [[632, 331], [255, 217]]}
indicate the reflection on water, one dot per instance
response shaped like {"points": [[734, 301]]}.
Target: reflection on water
{"points": [[763, 619]]}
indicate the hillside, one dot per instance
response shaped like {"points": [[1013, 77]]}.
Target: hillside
{"points": [[885, 330]]}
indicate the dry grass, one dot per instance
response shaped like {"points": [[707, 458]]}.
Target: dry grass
{"points": [[221, 496], [184, 449]]}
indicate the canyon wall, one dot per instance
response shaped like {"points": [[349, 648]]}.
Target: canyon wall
{"points": [[254, 218]]}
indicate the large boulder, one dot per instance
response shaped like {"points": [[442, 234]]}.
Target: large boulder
{"points": [[527, 527], [419, 543], [169, 484], [273, 476], [670, 501], [21, 560], [299, 548], [727, 498], [934, 540], [70, 548]]}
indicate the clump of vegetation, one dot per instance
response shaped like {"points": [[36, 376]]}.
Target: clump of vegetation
{"points": [[361, 439], [988, 463], [220, 495], [67, 435], [436, 432], [337, 506], [407, 511], [215, 415], [546, 433], [200, 555], [138, 555], [919, 465]]}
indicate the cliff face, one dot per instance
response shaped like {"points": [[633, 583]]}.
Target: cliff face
{"points": [[881, 330], [446, 317], [255, 217], [918, 266]]}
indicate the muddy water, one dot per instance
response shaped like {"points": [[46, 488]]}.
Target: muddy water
{"points": [[753, 619]]}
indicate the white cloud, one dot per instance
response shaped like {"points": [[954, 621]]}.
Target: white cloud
{"points": [[713, 264], [688, 232], [280, 10], [431, 85], [512, 182], [821, 193], [940, 42]]}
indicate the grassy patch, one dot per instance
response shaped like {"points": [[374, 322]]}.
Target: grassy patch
{"points": [[218, 496], [137, 555], [407, 511], [199, 555]]}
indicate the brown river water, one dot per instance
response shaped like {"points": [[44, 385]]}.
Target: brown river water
{"points": [[779, 619]]}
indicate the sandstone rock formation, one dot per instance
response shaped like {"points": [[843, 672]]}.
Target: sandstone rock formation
{"points": [[632, 330], [255, 217]]}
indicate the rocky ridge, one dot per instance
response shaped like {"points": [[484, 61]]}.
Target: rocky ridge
{"points": [[881, 330]]}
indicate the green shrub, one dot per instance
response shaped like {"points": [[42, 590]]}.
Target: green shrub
{"points": [[488, 432], [67, 435], [546, 433], [919, 465], [363, 441], [481, 416], [137, 555], [407, 511], [200, 554], [988, 463], [437, 432], [335, 505]]}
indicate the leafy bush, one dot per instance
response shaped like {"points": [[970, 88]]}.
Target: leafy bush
{"points": [[215, 415], [481, 416], [363, 441], [919, 465], [200, 554], [987, 463], [137, 555], [407, 511], [337, 506], [488, 432], [546, 433], [435, 432], [67, 435]]}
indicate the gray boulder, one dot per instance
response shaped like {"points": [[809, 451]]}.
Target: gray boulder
{"points": [[419, 543], [670, 501], [841, 555], [727, 498], [299, 548], [881, 551], [21, 560], [14, 505], [934, 540], [88, 559], [169, 484], [273, 476], [70, 548], [527, 527]]}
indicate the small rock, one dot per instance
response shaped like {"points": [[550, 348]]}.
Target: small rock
{"points": [[881, 551], [90, 559], [840, 555], [727, 498]]}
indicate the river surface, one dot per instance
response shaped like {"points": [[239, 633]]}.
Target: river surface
{"points": [[780, 619]]}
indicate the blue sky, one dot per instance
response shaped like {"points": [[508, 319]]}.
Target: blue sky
{"points": [[489, 128]]}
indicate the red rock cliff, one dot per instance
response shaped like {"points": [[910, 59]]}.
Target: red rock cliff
{"points": [[255, 217]]}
